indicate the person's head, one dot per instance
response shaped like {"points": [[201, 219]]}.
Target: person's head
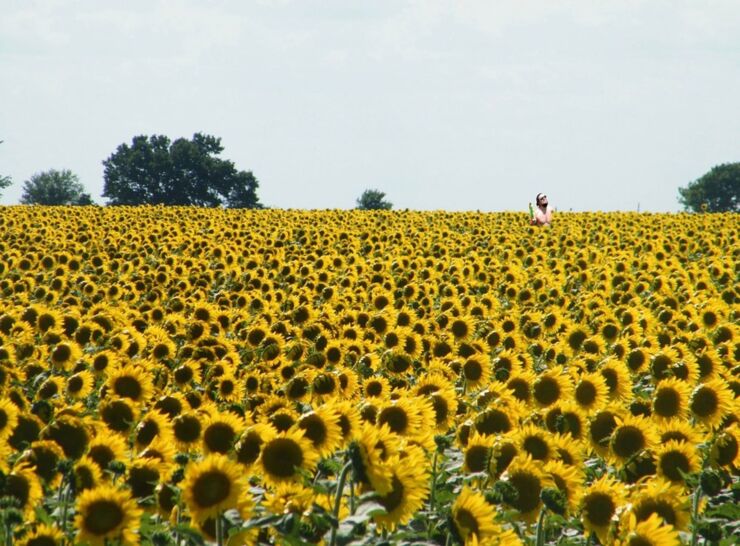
{"points": [[541, 200]]}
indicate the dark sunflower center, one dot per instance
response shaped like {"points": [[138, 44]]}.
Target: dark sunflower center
{"points": [[726, 449], [18, 488], [146, 432], [42, 540], [652, 506], [186, 428], [611, 379], [673, 463], [473, 370], [219, 437], [520, 389], [118, 416], [395, 417], [602, 427], [546, 390], [466, 520], [161, 350], [528, 491], [142, 481], [102, 517], [536, 447], [627, 441], [282, 421], [441, 408], [666, 403], [599, 509], [493, 421], [281, 457], [183, 374], [249, 448], [585, 393], [476, 458], [639, 540], [127, 387], [704, 402], [72, 439], [504, 455], [61, 353], [374, 388], [459, 328], [211, 488], [314, 428], [395, 497], [75, 384]]}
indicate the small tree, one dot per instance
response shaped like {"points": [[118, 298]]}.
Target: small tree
{"points": [[5, 181], [54, 187], [373, 200], [153, 170], [716, 191]]}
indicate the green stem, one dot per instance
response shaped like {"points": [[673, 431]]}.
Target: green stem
{"points": [[431, 493], [63, 523], [219, 530], [694, 515], [338, 500], [540, 532]]}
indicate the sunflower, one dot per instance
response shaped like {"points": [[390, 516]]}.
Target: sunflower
{"points": [[65, 354], [590, 392], [650, 532], [321, 427], [43, 535], [289, 497], [70, 433], [725, 450], [566, 418], [79, 385], [151, 426], [674, 459], [403, 417], [212, 485], [162, 452], [285, 455], [186, 373], [118, 414], [104, 361], [371, 454], [86, 474], [473, 517], [409, 487], [130, 382], [349, 421], [551, 386], [220, 431], [228, 389], [670, 400], [476, 372], [8, 418], [105, 449], [143, 477], [376, 387], [187, 429], [477, 452], [679, 430], [106, 513], [45, 455], [664, 499], [535, 442], [568, 479], [249, 445], [600, 504], [528, 480], [23, 485], [632, 435], [520, 384], [710, 402]]}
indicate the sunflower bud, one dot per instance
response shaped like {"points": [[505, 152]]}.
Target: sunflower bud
{"points": [[554, 499], [711, 482]]}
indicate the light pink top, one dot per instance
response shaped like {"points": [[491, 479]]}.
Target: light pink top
{"points": [[543, 217]]}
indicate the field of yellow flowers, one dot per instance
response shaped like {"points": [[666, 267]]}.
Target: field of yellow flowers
{"points": [[181, 376]]}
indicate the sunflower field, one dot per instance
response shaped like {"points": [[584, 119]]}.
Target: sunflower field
{"points": [[184, 376]]}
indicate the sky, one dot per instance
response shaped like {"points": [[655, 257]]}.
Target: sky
{"points": [[452, 104]]}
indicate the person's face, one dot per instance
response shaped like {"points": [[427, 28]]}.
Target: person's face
{"points": [[543, 201]]}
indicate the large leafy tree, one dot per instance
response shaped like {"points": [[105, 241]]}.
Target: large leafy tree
{"points": [[54, 187], [716, 191], [373, 200], [153, 170]]}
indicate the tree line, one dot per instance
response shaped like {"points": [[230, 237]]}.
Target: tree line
{"points": [[153, 170]]}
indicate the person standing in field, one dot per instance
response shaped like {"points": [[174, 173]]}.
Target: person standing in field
{"points": [[542, 213]]}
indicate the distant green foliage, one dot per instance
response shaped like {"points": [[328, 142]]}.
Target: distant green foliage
{"points": [[373, 200], [54, 187], [716, 191], [153, 171]]}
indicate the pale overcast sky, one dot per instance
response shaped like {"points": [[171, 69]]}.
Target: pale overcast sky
{"points": [[457, 104]]}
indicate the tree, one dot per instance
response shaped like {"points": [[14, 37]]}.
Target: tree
{"points": [[153, 170], [716, 191], [54, 187], [373, 200]]}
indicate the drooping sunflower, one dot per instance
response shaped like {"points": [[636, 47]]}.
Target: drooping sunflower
{"points": [[599, 504], [212, 485], [710, 402], [106, 513], [285, 455], [473, 518], [725, 450]]}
